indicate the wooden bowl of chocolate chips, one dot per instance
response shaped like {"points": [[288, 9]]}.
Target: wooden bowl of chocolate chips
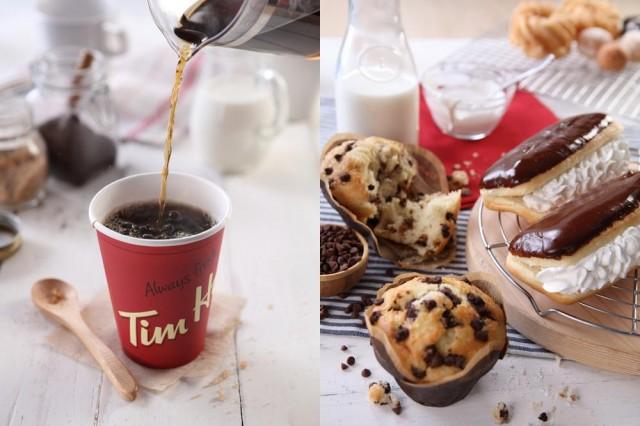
{"points": [[343, 259]]}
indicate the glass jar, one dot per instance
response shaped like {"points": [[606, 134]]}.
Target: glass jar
{"points": [[377, 90], [23, 156], [74, 112]]}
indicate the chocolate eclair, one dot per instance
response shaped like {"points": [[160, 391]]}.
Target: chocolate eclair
{"points": [[584, 248], [563, 161]]}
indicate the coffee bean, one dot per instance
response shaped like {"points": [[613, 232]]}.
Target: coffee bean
{"points": [[351, 360], [366, 372]]}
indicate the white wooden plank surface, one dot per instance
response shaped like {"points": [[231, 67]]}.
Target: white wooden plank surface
{"points": [[605, 398]]}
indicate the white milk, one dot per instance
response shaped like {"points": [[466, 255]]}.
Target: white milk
{"points": [[388, 109], [231, 118]]}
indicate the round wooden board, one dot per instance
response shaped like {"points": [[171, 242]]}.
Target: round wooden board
{"points": [[582, 343]]}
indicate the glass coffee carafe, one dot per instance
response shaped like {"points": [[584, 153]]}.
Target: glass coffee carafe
{"points": [[274, 26]]}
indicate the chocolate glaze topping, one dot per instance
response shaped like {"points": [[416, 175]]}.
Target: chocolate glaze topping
{"points": [[543, 151], [579, 221]]}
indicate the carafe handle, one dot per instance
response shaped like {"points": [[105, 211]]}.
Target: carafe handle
{"points": [[280, 96]]}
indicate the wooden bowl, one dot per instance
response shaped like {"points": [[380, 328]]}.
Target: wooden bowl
{"points": [[340, 282]]}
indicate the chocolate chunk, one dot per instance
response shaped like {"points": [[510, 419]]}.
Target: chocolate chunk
{"points": [[324, 312], [454, 360], [412, 312], [328, 171], [481, 335], [445, 230], [365, 372], [432, 357], [371, 187], [450, 216], [402, 333], [375, 316], [449, 293], [477, 324], [379, 301], [338, 157], [344, 348], [418, 373], [397, 408], [373, 222], [345, 177], [448, 319], [430, 304], [543, 417], [432, 279], [344, 366], [351, 360]]}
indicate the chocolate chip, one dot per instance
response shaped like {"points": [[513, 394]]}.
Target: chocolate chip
{"points": [[418, 373], [432, 357], [324, 312], [356, 308], [450, 216], [402, 333], [403, 203], [430, 304], [397, 408], [348, 309], [481, 335], [344, 348], [345, 177], [432, 279], [328, 171], [343, 295], [386, 387], [375, 316], [338, 157], [477, 324], [344, 366], [412, 312], [366, 372], [349, 147], [476, 301], [351, 360], [422, 241], [543, 417], [445, 230], [389, 272], [373, 222], [388, 199], [448, 319], [379, 301], [454, 360], [449, 293], [484, 312], [340, 249], [371, 187]]}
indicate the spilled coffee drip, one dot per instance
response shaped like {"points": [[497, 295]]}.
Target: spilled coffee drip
{"points": [[140, 220]]}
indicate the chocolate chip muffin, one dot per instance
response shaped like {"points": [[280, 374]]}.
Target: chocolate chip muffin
{"points": [[437, 335], [378, 181]]}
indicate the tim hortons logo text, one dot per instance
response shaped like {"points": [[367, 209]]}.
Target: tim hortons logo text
{"points": [[141, 334]]}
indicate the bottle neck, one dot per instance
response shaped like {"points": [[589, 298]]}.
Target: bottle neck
{"points": [[375, 15]]}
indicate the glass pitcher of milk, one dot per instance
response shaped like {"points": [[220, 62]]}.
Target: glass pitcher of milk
{"points": [[376, 83], [239, 107]]}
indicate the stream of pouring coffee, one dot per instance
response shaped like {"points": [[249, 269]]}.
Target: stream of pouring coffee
{"points": [[185, 54]]}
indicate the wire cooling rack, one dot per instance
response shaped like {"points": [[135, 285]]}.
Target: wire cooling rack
{"points": [[615, 309], [574, 78]]}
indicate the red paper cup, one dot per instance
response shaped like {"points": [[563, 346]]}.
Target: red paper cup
{"points": [[161, 289]]}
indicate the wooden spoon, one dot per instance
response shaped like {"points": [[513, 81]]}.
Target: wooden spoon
{"points": [[59, 301]]}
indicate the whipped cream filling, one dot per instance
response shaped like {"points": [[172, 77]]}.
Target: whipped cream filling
{"points": [[606, 163], [607, 264]]}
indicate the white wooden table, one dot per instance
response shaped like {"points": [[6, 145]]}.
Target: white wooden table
{"points": [[529, 385], [269, 256]]}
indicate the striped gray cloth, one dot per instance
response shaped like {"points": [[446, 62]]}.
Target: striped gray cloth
{"points": [[380, 271]]}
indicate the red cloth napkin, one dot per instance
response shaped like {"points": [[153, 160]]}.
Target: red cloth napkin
{"points": [[524, 118]]}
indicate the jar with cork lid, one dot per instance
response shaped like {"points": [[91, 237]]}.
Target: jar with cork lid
{"points": [[23, 156]]}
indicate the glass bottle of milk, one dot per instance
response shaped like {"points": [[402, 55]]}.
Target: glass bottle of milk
{"points": [[376, 83]]}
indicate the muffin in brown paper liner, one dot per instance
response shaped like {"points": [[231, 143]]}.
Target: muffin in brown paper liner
{"points": [[451, 383], [430, 179]]}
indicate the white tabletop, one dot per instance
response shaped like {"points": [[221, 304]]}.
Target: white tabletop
{"points": [[529, 385], [269, 256]]}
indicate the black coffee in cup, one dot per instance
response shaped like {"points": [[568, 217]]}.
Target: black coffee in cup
{"points": [[141, 220]]}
